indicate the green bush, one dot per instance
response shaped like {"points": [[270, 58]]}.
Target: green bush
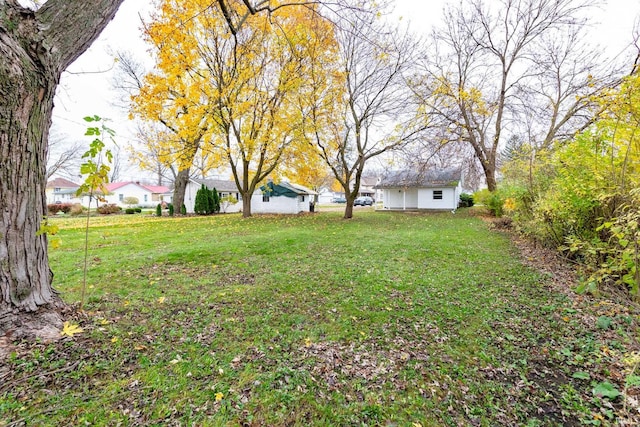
{"points": [[138, 210], [466, 200], [129, 211], [183, 210], [494, 201], [215, 201], [203, 204], [159, 209], [171, 209]]}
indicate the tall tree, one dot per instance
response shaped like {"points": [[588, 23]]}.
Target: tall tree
{"points": [[499, 65], [228, 94], [35, 48], [362, 108]]}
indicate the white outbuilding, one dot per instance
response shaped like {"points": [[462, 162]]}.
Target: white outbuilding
{"points": [[423, 190]]}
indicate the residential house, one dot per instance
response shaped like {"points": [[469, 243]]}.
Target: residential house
{"points": [[282, 198], [223, 187], [61, 190], [368, 187], [148, 195], [159, 194], [429, 190]]}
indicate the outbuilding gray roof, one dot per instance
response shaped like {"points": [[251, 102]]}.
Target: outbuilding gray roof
{"points": [[420, 179], [218, 184]]}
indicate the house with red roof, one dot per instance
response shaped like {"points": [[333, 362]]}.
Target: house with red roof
{"points": [[147, 195]]}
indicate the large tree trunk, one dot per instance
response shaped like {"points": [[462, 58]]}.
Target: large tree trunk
{"points": [[179, 188], [35, 47], [26, 102], [348, 209], [246, 204], [490, 175]]}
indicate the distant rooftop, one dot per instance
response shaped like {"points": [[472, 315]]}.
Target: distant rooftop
{"points": [[427, 178], [61, 183]]}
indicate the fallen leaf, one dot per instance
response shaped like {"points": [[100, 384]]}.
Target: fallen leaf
{"points": [[70, 329]]}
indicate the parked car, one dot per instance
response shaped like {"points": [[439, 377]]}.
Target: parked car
{"points": [[339, 200], [363, 201]]}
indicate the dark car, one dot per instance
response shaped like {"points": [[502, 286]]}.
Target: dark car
{"points": [[339, 200], [363, 201]]}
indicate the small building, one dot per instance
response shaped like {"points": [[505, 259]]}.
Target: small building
{"points": [[61, 190], [282, 198], [224, 188], [425, 190]]}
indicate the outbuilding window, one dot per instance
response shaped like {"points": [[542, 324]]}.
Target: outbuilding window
{"points": [[265, 198], [437, 194]]}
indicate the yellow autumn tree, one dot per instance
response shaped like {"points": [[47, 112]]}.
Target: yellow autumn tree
{"points": [[257, 75], [229, 93], [172, 94]]}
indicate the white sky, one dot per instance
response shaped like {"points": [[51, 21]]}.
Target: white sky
{"points": [[85, 90]]}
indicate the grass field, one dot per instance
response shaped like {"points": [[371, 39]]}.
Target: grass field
{"points": [[385, 319]]}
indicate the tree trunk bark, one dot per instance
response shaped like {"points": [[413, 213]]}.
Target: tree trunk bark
{"points": [[35, 47], [348, 209], [179, 189], [26, 102], [490, 177], [246, 205]]}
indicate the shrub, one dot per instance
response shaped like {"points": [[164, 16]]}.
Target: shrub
{"points": [[216, 201], [203, 203], [138, 210], [494, 201], [170, 209], [227, 201], [159, 209], [108, 209], [466, 200], [54, 208], [129, 211], [183, 210], [130, 201], [76, 209]]}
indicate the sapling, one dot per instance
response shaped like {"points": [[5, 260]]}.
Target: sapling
{"points": [[95, 169]]}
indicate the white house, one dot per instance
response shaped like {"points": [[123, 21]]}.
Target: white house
{"points": [[283, 198], [428, 190], [61, 190], [224, 189], [118, 192]]}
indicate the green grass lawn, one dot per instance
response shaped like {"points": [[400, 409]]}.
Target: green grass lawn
{"points": [[385, 319]]}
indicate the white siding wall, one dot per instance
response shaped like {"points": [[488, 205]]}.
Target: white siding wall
{"points": [[234, 208], [131, 190], [278, 205], [190, 196], [448, 201], [398, 198]]}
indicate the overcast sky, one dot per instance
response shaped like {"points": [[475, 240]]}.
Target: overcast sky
{"points": [[85, 89]]}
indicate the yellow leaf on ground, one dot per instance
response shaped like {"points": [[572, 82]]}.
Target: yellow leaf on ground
{"points": [[70, 329]]}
